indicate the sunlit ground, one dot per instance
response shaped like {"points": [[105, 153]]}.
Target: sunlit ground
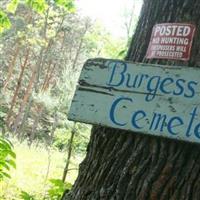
{"points": [[30, 175]]}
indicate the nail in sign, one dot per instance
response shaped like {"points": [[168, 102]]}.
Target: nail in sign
{"points": [[171, 41]]}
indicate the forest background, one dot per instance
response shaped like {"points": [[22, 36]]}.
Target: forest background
{"points": [[43, 45]]}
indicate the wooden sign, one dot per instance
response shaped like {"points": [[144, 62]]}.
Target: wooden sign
{"points": [[171, 41], [151, 99]]}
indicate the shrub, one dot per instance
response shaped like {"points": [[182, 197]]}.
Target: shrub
{"points": [[58, 188], [7, 158]]}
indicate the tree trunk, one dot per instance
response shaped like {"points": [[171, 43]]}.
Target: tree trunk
{"points": [[70, 144], [47, 75], [48, 78], [37, 117], [125, 165], [21, 131], [24, 101], [19, 82], [78, 51], [12, 65]]}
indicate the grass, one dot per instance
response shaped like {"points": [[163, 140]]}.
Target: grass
{"points": [[31, 173]]}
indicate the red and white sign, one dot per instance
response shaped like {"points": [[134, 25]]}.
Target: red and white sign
{"points": [[171, 41]]}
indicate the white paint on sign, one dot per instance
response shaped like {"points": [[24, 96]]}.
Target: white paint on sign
{"points": [[152, 99]]}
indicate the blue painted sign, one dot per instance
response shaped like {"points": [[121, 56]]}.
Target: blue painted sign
{"points": [[150, 99]]}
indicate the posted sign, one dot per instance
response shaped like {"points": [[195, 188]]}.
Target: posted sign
{"points": [[171, 41], [151, 99]]}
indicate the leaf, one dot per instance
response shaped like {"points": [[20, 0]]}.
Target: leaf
{"points": [[12, 154], [26, 196], [5, 174], [5, 146], [11, 163], [122, 53], [12, 6], [4, 165], [57, 182], [6, 153], [5, 143], [4, 21], [57, 188]]}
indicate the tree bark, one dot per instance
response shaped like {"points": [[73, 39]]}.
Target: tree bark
{"points": [[19, 82], [78, 51], [24, 101], [124, 165], [48, 78], [70, 144], [11, 65]]}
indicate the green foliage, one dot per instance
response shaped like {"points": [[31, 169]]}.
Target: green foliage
{"points": [[122, 53], [107, 46], [59, 42], [60, 140], [58, 188], [38, 5], [62, 137], [12, 6], [67, 4], [30, 175], [4, 21], [25, 196], [46, 100], [7, 158]]}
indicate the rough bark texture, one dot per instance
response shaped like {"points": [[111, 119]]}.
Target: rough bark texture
{"points": [[124, 165]]}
